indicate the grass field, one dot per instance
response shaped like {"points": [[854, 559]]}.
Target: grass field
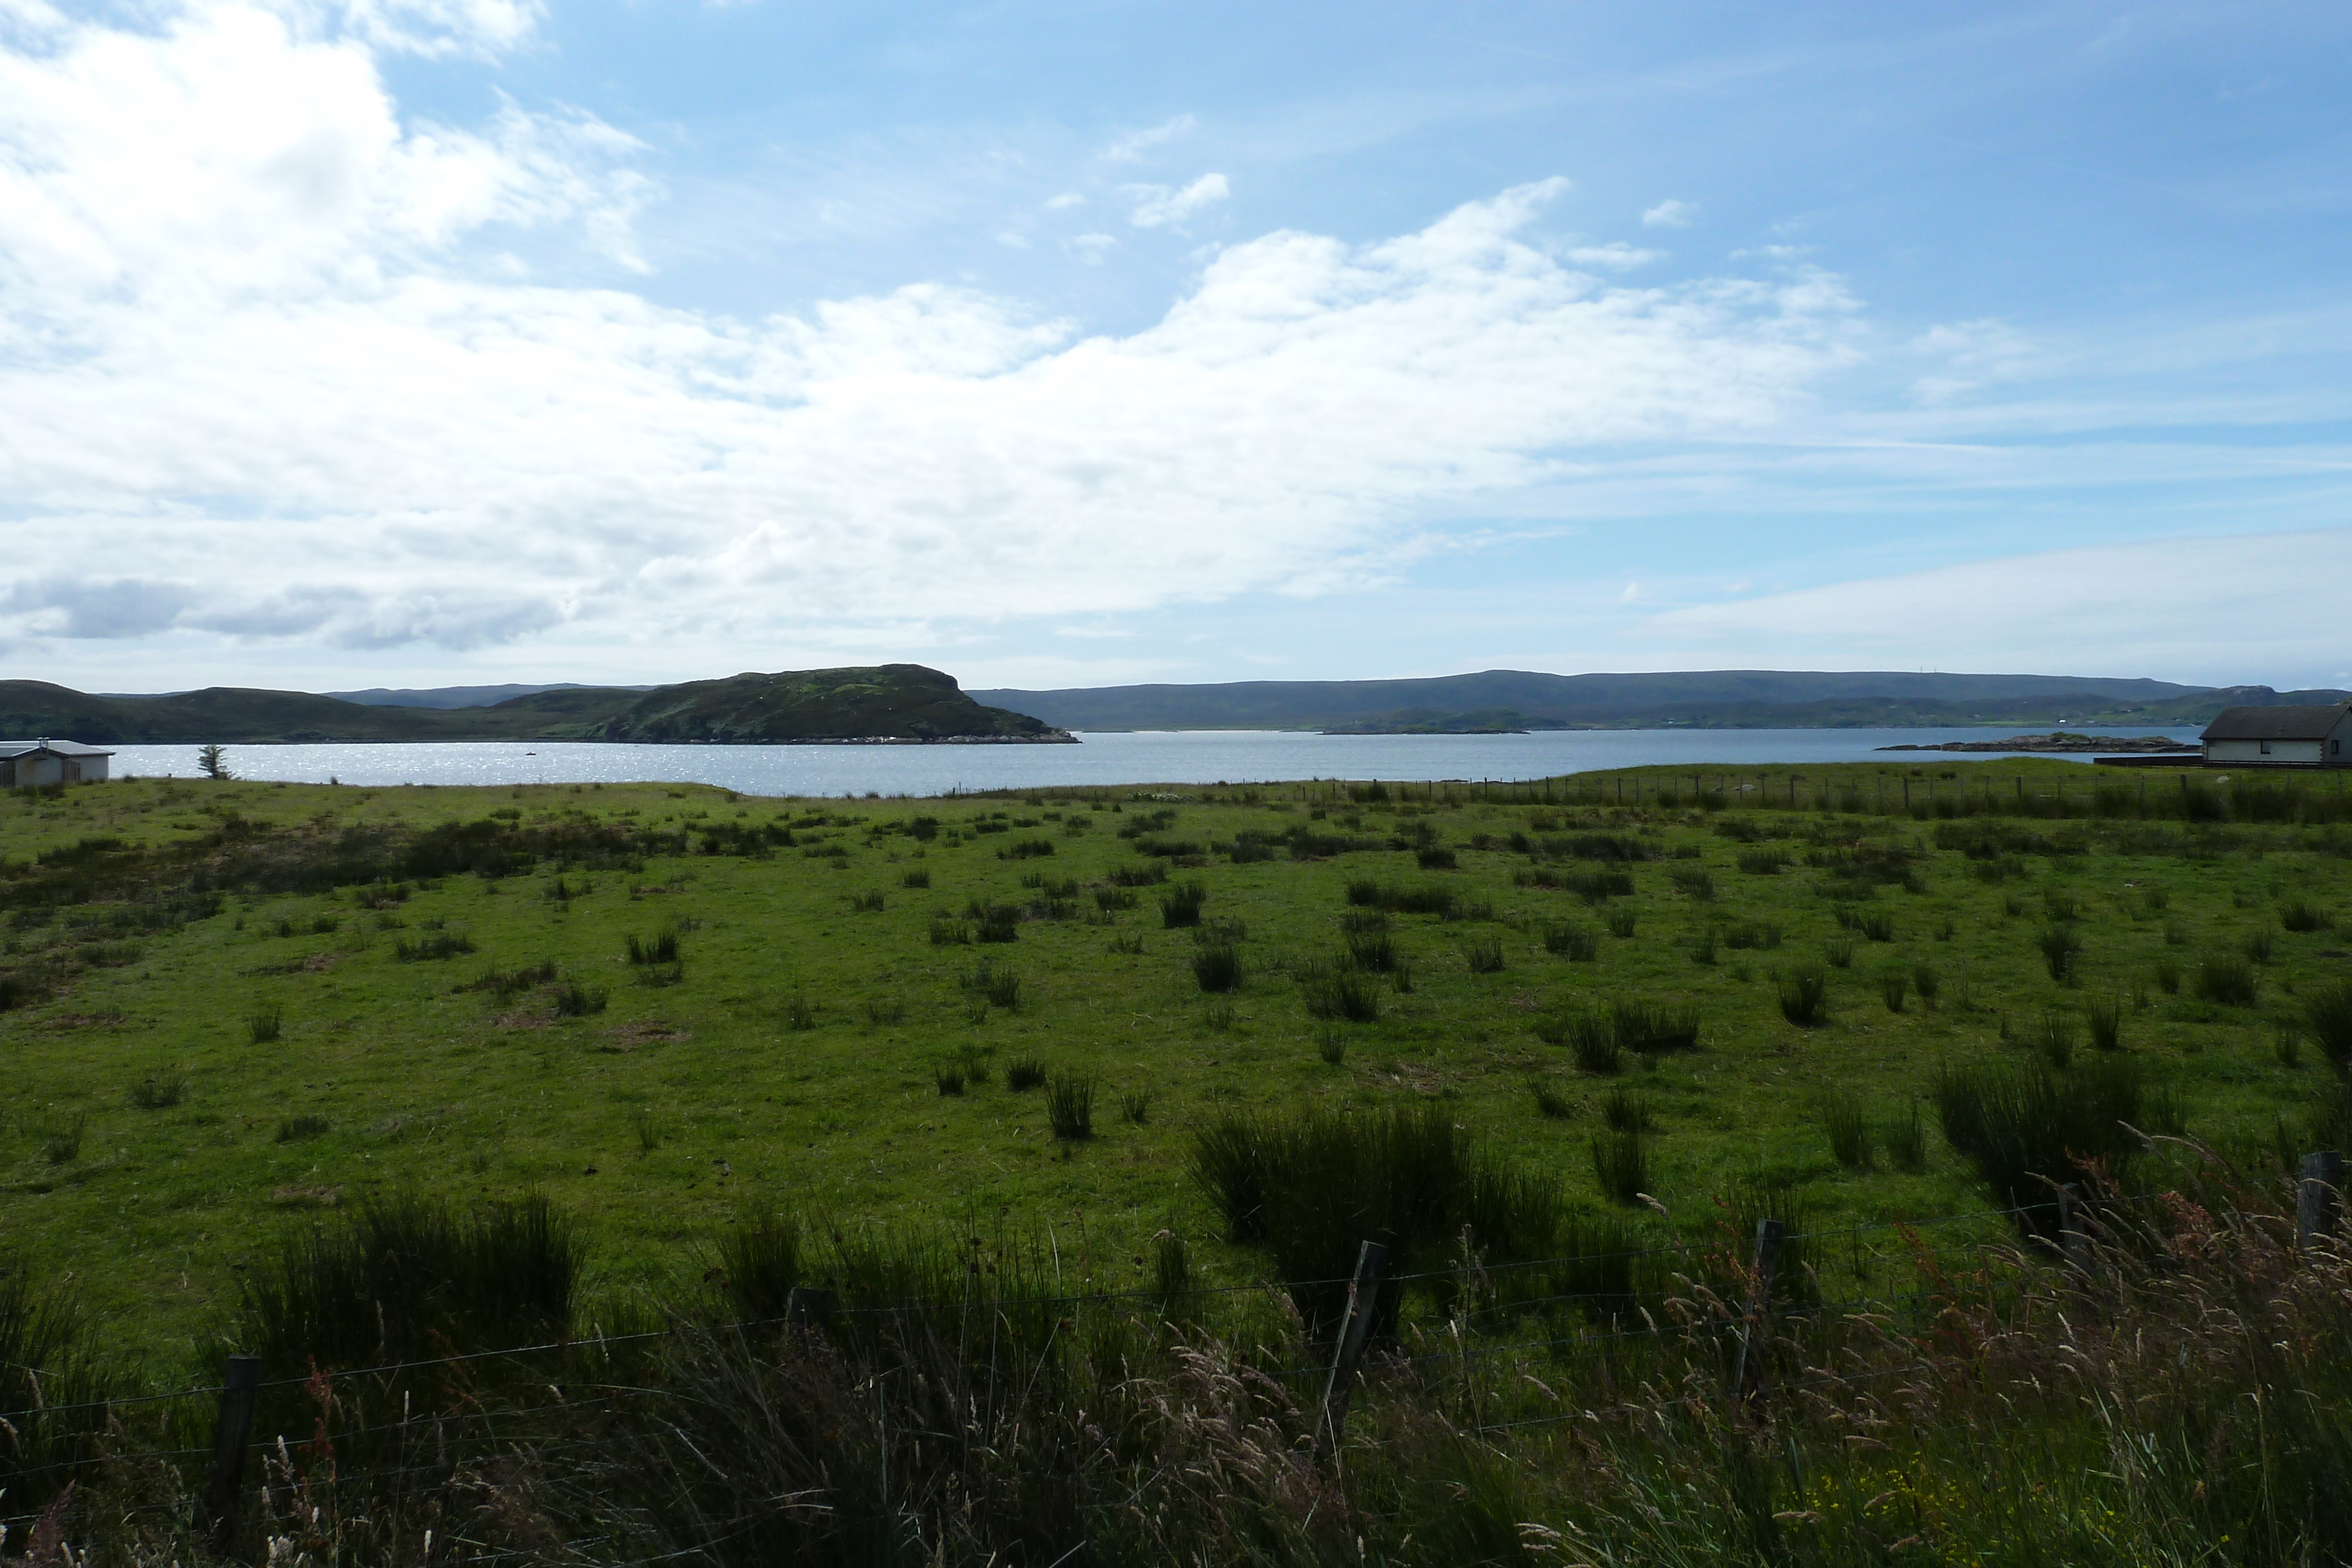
{"points": [[231, 1007]]}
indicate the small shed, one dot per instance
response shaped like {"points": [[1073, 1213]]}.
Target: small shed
{"points": [[26, 763], [2281, 737]]}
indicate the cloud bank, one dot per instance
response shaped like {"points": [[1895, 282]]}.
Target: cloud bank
{"points": [[270, 368]]}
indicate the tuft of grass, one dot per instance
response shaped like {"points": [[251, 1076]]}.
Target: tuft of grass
{"points": [[1763, 863], [2060, 948], [1218, 967], [2167, 977], [1181, 905], [2297, 915], [1626, 1112], [1805, 997], [2256, 946], [1135, 1107], [1703, 947], [1484, 956], [2225, 978], [2022, 1128], [1070, 1106], [298, 1129], [951, 933], [1906, 1140], [1651, 1027], [1551, 1102], [1848, 1127], [950, 1081], [573, 999], [1620, 1164], [799, 1013], [866, 903], [2327, 1013], [1330, 1047], [1025, 1073], [648, 1131], [659, 948], [2055, 1038], [61, 1145], [998, 923], [1926, 982], [1571, 939], [2105, 1016], [884, 1012], [920, 877], [1839, 953], [2286, 1044], [159, 1091], [1622, 922], [1333, 991], [265, 1024], [1894, 984], [1694, 882]]}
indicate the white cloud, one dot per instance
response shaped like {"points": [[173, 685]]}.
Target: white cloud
{"points": [[1671, 214], [1092, 249], [1065, 200], [266, 341], [2177, 608], [1616, 256], [1129, 148], [1159, 206]]}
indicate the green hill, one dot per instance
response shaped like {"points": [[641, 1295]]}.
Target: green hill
{"points": [[890, 702]]}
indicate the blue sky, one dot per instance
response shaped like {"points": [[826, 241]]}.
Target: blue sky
{"points": [[353, 342]]}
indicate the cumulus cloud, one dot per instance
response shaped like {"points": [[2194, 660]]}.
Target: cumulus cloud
{"points": [[1671, 214], [1616, 256], [1160, 207], [264, 338], [2182, 608]]}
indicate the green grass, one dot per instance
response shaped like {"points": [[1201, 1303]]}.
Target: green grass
{"points": [[796, 1045]]}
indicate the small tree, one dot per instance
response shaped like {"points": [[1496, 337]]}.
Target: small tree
{"points": [[210, 762]]}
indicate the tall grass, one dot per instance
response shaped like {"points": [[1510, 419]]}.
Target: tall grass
{"points": [[408, 1275], [1847, 1124], [2023, 1128], [2327, 1012], [1217, 967], [1804, 994], [2060, 948], [1571, 939], [1181, 905], [1620, 1164], [2225, 978], [1335, 991]]}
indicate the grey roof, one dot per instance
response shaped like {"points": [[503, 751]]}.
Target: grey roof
{"points": [[61, 747], [2279, 723]]}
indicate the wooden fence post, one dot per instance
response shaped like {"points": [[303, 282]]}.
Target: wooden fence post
{"points": [[808, 1307], [1759, 1307], [2319, 1197], [232, 1426], [1347, 1348]]}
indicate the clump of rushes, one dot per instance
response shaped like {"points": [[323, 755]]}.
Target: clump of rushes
{"points": [[1703, 947], [62, 1147], [296, 1129], [950, 933], [159, 1091], [1181, 905], [884, 1011], [573, 999], [866, 903], [1651, 1027], [1906, 1140], [1875, 926], [1070, 1106], [1135, 1107], [1693, 881], [1571, 939], [265, 1024], [2296, 915], [973, 1061], [1805, 997], [1626, 1112], [2257, 946], [424, 949], [1023, 1073], [1893, 985], [799, 1012], [2227, 979], [1621, 922], [1000, 923], [2105, 1016], [917, 878], [2167, 977], [1332, 991], [1926, 982], [1551, 1102], [950, 1081], [1848, 1127], [1484, 956], [659, 948], [2056, 1039], [2060, 948], [1330, 1047], [1218, 967], [649, 1132], [1763, 863], [1838, 952], [1434, 857], [1110, 900], [1620, 1164], [2327, 1012]]}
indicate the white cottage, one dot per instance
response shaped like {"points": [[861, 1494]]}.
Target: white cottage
{"points": [[25, 763], [2281, 737]]}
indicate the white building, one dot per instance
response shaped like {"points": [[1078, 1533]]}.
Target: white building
{"points": [[25, 763], [2281, 737]]}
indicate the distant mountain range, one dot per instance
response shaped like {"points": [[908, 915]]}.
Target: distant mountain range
{"points": [[889, 702], [910, 701], [1712, 699]]}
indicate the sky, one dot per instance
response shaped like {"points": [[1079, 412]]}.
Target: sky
{"points": [[413, 342]]}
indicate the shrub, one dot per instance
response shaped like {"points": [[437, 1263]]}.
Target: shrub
{"points": [[159, 1091], [1484, 957], [2022, 1128], [2297, 915], [1181, 905], [1218, 967], [1572, 939], [1848, 1127], [2060, 947], [1023, 1073], [1805, 997], [1070, 1107], [2227, 979], [1620, 1164]]}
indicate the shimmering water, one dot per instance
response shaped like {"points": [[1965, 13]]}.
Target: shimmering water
{"points": [[1182, 757]]}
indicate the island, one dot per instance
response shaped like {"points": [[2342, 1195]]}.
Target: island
{"points": [[2060, 740]]}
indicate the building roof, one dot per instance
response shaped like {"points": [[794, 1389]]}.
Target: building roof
{"points": [[10, 749], [2277, 723]]}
